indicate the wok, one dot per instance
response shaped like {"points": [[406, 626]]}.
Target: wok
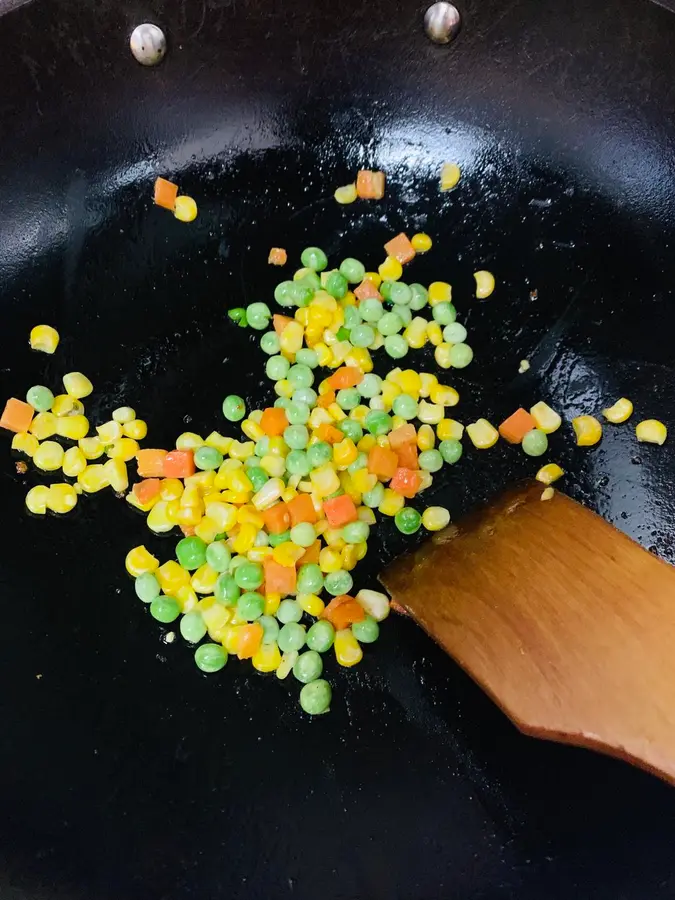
{"points": [[126, 773]]}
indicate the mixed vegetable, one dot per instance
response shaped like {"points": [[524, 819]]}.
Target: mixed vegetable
{"points": [[274, 523]]}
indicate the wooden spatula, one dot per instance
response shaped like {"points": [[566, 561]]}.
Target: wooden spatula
{"points": [[567, 623]]}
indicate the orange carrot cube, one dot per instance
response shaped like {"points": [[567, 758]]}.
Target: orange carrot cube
{"points": [[516, 426], [382, 462], [405, 434], [179, 464], [367, 291], [326, 399], [301, 509], [277, 518], [400, 248], [311, 554], [343, 611], [277, 257], [166, 193], [249, 639], [17, 415], [405, 482], [345, 377], [274, 421], [151, 463], [279, 579], [329, 433], [340, 510], [407, 456], [147, 490], [280, 322], [370, 185]]}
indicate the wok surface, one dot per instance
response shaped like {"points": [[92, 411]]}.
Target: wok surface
{"points": [[126, 773]]}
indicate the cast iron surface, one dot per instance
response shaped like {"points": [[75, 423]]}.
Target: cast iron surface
{"points": [[124, 772]]}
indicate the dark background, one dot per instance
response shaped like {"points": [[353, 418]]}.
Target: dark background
{"points": [[124, 772]]}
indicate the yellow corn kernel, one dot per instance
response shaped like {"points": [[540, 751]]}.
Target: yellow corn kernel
{"points": [[344, 453], [124, 414], [302, 316], [49, 456], [259, 554], [425, 481], [77, 385], [219, 442], [187, 516], [191, 495], [391, 503], [379, 404], [435, 333], [217, 618], [272, 603], [123, 448], [25, 443], [211, 497], [284, 388], [44, 338], [324, 353], [93, 479], [252, 430], [267, 657], [245, 538], [587, 429], [391, 269], [186, 597], [449, 429], [450, 175], [139, 560], [340, 351], [91, 447], [410, 382], [132, 500], [348, 651], [378, 342], [382, 440], [374, 277], [288, 493], [421, 242], [291, 337], [363, 481], [485, 283], [426, 439], [444, 395], [442, 355], [619, 412], [365, 514], [361, 358], [185, 209], [427, 381], [366, 444], [172, 576], [524, 366], [324, 480], [434, 518], [393, 375], [74, 462], [333, 538], [482, 434], [189, 440], [416, 333], [203, 481], [350, 556], [171, 489], [116, 471], [319, 315], [311, 604], [204, 579], [336, 412], [136, 429], [157, 520], [108, 432], [439, 292], [242, 450], [249, 515], [61, 498], [337, 320], [256, 416], [36, 499], [429, 413], [207, 529], [287, 554], [73, 427], [43, 425], [549, 473], [223, 514], [547, 493], [390, 391], [330, 560], [63, 405], [547, 419], [346, 194], [649, 431]]}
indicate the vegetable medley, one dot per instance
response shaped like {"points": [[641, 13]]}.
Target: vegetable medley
{"points": [[275, 521]]}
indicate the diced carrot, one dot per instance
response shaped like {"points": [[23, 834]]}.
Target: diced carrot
{"points": [[151, 463], [145, 491], [274, 421], [188, 530], [278, 579], [277, 518], [179, 464], [17, 415], [405, 434], [277, 257], [311, 554], [370, 185], [340, 510], [343, 611], [329, 433], [367, 291], [280, 322], [249, 639], [405, 482], [516, 426], [166, 193], [407, 456], [301, 509], [400, 248], [345, 377], [382, 462], [326, 399]]}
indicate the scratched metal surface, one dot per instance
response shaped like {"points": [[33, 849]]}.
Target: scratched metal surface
{"points": [[125, 773]]}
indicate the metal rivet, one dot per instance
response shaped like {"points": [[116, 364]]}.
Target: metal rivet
{"points": [[442, 22], [148, 44]]}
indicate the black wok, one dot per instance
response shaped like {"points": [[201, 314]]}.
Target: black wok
{"points": [[124, 772]]}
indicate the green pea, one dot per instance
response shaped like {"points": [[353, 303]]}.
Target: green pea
{"points": [[314, 258], [371, 310], [234, 408], [303, 534], [147, 587], [460, 355], [258, 315], [340, 582], [385, 290], [310, 579], [311, 279], [351, 429], [297, 413], [249, 575], [291, 637], [207, 458], [269, 343], [40, 398], [191, 552], [400, 293], [373, 497], [237, 561], [535, 443], [257, 476], [348, 398], [319, 454], [367, 631], [404, 314], [252, 462], [297, 463], [226, 590], [300, 376], [315, 697], [353, 270], [306, 395], [390, 323], [262, 446], [276, 539], [164, 609], [420, 296], [370, 385], [289, 611], [277, 368], [405, 406], [430, 460], [454, 333], [408, 520], [445, 314], [320, 636], [251, 606], [210, 657], [270, 628], [356, 532], [362, 336], [282, 293], [307, 357], [396, 346], [308, 666], [218, 556], [238, 315], [378, 422], [450, 450], [336, 285], [193, 626], [301, 294], [296, 436]]}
